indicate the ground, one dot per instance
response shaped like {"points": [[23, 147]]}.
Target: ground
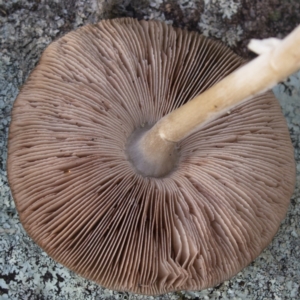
{"points": [[28, 26]]}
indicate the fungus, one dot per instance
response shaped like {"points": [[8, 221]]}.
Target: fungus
{"points": [[195, 213]]}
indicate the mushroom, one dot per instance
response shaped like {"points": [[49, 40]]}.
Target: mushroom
{"points": [[87, 196]]}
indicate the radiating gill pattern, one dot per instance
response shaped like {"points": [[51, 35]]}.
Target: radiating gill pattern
{"points": [[80, 198]]}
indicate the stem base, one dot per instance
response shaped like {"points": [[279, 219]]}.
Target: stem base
{"points": [[151, 155]]}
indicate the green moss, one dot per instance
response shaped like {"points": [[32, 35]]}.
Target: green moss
{"points": [[116, 8], [275, 16], [140, 4]]}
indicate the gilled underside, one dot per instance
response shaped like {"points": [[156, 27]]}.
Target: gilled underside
{"points": [[81, 198]]}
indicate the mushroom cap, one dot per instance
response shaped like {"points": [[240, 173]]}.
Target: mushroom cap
{"points": [[81, 199]]}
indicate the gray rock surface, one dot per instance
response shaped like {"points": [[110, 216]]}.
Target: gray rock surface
{"points": [[28, 26]]}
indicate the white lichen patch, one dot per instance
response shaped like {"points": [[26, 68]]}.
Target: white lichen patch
{"points": [[226, 7], [186, 4], [212, 25]]}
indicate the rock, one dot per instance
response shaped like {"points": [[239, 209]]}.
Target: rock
{"points": [[28, 26]]}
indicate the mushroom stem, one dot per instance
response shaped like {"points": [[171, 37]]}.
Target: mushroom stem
{"points": [[277, 61], [149, 163], [253, 78]]}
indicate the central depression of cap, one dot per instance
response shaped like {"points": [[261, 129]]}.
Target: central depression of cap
{"points": [[79, 196]]}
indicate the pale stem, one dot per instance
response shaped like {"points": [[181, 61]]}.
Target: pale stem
{"points": [[278, 60]]}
